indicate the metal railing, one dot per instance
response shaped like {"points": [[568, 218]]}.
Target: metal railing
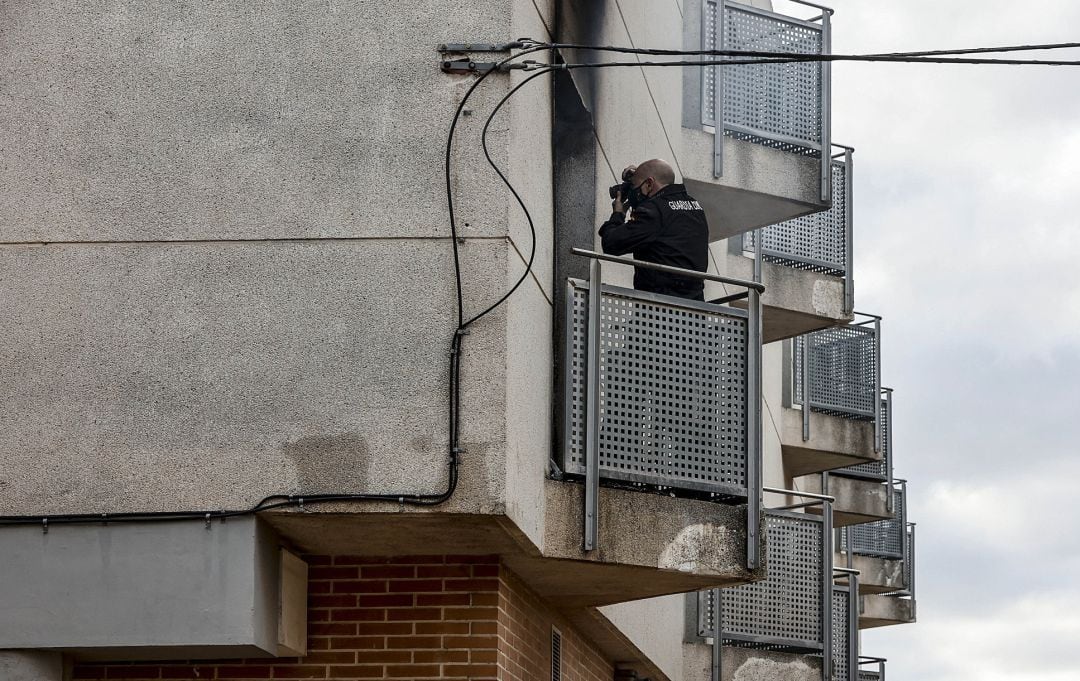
{"points": [[663, 392], [892, 539], [819, 242], [799, 607], [838, 371], [871, 668], [882, 469], [781, 105]]}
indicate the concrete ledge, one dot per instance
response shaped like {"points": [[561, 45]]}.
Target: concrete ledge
{"points": [[742, 664], [884, 611], [23, 665], [795, 301], [760, 186], [876, 575], [857, 501], [834, 442]]}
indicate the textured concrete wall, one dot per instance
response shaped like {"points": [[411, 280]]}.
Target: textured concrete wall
{"points": [[21, 665], [653, 626]]}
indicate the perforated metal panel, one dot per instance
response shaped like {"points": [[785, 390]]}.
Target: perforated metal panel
{"points": [[842, 656], [785, 610], [877, 470], [869, 676], [708, 82], [882, 538], [778, 105], [815, 242], [843, 370], [673, 382]]}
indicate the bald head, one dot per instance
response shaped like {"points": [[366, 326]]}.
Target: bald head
{"points": [[658, 170]]}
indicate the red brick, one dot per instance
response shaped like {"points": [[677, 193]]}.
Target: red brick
{"points": [[412, 671], [483, 628], [413, 642], [486, 599], [442, 628], [356, 615], [327, 657], [88, 673], [356, 587], [319, 587], [188, 673], [383, 656], [416, 585], [491, 642], [244, 672], [318, 615], [358, 643], [356, 672], [471, 613], [405, 614], [384, 628], [331, 629], [483, 656], [470, 670], [444, 571], [318, 560], [300, 672], [485, 570], [471, 585], [135, 672], [444, 599], [385, 601], [440, 656], [323, 572], [332, 601], [387, 571]]}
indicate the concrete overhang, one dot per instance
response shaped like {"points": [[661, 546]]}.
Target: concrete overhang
{"points": [[649, 545], [857, 500], [884, 611], [876, 575], [834, 442], [761, 186]]}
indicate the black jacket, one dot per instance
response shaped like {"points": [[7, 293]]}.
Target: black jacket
{"points": [[668, 228]]}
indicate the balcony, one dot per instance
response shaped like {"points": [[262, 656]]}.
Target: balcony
{"points": [[805, 263], [884, 554], [871, 668], [767, 125], [837, 423], [800, 609], [661, 394], [861, 491]]}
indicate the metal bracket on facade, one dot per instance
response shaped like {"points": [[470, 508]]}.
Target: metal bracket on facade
{"points": [[466, 66]]}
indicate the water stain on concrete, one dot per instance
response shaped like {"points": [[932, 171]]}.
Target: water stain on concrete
{"points": [[329, 463]]}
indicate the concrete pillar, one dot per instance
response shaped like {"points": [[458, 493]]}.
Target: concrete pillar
{"points": [[21, 665]]}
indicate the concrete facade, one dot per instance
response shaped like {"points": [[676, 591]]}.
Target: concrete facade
{"points": [[228, 275]]}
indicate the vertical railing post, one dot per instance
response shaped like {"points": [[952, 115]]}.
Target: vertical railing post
{"points": [[849, 248], [753, 429], [877, 385], [826, 590], [903, 522], [853, 627], [911, 564], [592, 411], [718, 629], [890, 501], [806, 386], [718, 93], [826, 105]]}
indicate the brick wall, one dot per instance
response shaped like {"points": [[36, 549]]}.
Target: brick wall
{"points": [[415, 617]]}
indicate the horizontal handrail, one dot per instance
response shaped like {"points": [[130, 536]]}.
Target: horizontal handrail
{"points": [[866, 659], [846, 571], [797, 493], [823, 8], [760, 288]]}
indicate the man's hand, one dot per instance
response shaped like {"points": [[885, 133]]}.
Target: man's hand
{"points": [[617, 205]]}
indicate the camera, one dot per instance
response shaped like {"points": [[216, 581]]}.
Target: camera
{"points": [[624, 189]]}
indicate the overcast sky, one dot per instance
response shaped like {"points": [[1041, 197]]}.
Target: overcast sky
{"points": [[967, 240]]}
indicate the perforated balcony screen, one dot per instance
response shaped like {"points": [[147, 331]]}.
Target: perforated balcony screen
{"points": [[841, 639], [673, 380], [877, 470], [882, 538], [785, 610], [778, 105], [843, 370], [869, 676], [815, 242]]}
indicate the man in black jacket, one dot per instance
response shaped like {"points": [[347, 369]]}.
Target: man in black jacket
{"points": [[666, 226]]}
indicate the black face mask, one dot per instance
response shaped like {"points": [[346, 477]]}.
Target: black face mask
{"points": [[633, 196]]}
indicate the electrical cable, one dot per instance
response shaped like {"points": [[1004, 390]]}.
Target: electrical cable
{"points": [[276, 501]]}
